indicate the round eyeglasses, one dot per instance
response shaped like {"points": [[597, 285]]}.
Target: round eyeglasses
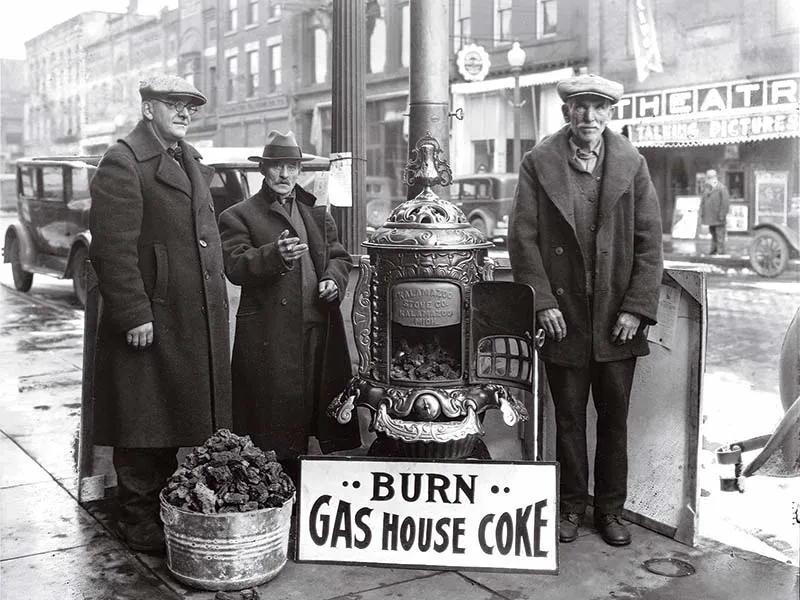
{"points": [[179, 107]]}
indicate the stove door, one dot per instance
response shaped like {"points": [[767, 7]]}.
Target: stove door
{"points": [[503, 325]]}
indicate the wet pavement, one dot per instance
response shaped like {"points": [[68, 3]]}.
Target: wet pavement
{"points": [[53, 548]]}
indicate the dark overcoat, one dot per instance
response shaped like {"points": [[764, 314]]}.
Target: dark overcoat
{"points": [[157, 253], [269, 374], [714, 206], [544, 250]]}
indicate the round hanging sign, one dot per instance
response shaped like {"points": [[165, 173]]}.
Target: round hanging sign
{"points": [[473, 62]]}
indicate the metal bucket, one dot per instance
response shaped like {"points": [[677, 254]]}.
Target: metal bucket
{"points": [[226, 551]]}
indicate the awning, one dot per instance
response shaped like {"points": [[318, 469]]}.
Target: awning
{"points": [[730, 127], [505, 83]]}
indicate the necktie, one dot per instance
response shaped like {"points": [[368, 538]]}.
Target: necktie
{"points": [[176, 153], [584, 154]]}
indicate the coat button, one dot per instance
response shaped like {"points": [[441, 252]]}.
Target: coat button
{"points": [[593, 227], [211, 206], [207, 275], [284, 302], [559, 251], [560, 292], [203, 309], [203, 243]]}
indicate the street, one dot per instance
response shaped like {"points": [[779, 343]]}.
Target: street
{"points": [[747, 318]]}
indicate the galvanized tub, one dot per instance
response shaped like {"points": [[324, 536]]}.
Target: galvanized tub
{"points": [[226, 551]]}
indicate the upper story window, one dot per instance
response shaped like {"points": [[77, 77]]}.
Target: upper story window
{"points": [[502, 22], [252, 12], [230, 88], [232, 21], [405, 35], [376, 34], [252, 73], [786, 15], [546, 18], [275, 66], [274, 9], [462, 16], [320, 70]]}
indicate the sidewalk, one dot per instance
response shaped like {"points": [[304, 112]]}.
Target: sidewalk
{"points": [[52, 548], [695, 254]]}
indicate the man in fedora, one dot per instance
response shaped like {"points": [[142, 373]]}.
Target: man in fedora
{"points": [[162, 365], [290, 355], [585, 232]]}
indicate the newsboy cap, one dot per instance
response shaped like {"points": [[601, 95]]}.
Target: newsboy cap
{"points": [[165, 86], [280, 146], [593, 85]]}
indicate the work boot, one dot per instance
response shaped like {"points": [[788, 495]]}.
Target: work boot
{"points": [[145, 536], [568, 527], [612, 530]]}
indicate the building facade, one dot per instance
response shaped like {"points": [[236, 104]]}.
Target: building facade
{"points": [[723, 95], [13, 93]]}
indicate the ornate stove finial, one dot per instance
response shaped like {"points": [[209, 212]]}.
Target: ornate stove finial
{"points": [[426, 166]]}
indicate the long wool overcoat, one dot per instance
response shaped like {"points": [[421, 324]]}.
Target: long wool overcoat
{"points": [[269, 374], [544, 250], [157, 253]]}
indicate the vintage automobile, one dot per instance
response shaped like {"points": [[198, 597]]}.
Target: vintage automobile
{"points": [[772, 246], [486, 200]]}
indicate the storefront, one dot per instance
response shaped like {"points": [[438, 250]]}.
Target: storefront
{"points": [[483, 140], [745, 129]]}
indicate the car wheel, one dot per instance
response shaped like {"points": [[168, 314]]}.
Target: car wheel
{"points": [[769, 253], [479, 223], [79, 281], [23, 280]]}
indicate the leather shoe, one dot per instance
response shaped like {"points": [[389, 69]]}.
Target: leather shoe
{"points": [[145, 536], [612, 530], [568, 527]]}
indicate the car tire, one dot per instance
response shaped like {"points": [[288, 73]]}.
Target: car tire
{"points": [[480, 224], [79, 280], [23, 280], [769, 253]]}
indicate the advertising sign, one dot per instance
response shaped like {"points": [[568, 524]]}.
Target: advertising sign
{"points": [[771, 197], [426, 513], [473, 62]]}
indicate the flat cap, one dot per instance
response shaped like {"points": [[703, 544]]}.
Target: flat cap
{"points": [[161, 86], [589, 85]]}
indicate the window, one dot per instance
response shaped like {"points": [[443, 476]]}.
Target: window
{"points": [[405, 36], [212, 85], [786, 17], [462, 13], [320, 55], [252, 12], [252, 73], [546, 18], [376, 34], [27, 181], [233, 15], [502, 21], [211, 32], [275, 66], [274, 9], [53, 183], [231, 81]]}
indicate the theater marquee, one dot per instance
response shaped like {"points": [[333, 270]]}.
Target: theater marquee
{"points": [[719, 113], [419, 513]]}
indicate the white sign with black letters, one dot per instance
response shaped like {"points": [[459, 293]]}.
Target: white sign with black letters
{"points": [[445, 514]]}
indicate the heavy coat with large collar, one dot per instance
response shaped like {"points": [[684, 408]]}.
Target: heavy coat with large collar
{"points": [[268, 371], [156, 250], [544, 250]]}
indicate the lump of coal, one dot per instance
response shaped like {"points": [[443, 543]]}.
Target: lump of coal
{"points": [[228, 474]]}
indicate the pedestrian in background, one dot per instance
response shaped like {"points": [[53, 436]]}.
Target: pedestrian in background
{"points": [[290, 355], [162, 366], [714, 207], [585, 233]]}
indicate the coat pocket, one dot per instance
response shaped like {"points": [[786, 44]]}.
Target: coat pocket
{"points": [[162, 273]]}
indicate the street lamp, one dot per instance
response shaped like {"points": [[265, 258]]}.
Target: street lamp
{"points": [[516, 58]]}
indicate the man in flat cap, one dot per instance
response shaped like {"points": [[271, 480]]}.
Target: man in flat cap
{"points": [[290, 355], [585, 232], [162, 367]]}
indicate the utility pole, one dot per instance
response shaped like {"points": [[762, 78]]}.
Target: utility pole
{"points": [[429, 79], [348, 113]]}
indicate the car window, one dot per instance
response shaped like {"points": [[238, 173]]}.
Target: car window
{"points": [[81, 177], [52, 183], [468, 190], [28, 181], [483, 190]]}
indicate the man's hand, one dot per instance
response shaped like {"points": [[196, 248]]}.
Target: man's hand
{"points": [[140, 336], [290, 248], [625, 328], [328, 290], [552, 321]]}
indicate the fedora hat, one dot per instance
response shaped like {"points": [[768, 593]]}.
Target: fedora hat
{"points": [[281, 146]]}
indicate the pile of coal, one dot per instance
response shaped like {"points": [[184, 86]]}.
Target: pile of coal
{"points": [[425, 361], [248, 594], [228, 474]]}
